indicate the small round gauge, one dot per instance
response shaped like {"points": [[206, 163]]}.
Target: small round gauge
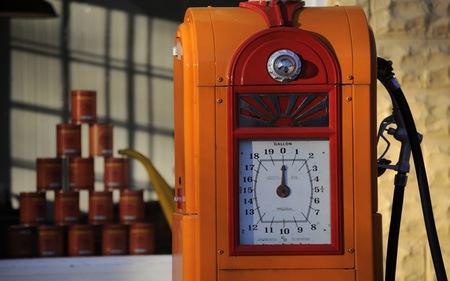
{"points": [[284, 191], [284, 65]]}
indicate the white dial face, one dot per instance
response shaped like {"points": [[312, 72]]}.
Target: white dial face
{"points": [[284, 192]]}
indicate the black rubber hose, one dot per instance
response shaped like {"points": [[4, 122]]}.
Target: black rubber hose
{"points": [[394, 227], [424, 189], [386, 77], [394, 231]]}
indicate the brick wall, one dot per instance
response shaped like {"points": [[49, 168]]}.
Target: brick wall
{"points": [[415, 35]]}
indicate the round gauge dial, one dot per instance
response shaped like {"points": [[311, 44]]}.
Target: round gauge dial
{"points": [[284, 65], [284, 192]]}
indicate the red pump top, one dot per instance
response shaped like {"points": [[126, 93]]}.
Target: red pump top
{"points": [[275, 12]]}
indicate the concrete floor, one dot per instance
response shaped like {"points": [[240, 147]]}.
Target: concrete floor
{"points": [[111, 268]]}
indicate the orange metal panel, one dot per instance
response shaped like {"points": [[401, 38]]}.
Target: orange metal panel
{"points": [[345, 30], [180, 152], [194, 140], [184, 248], [184, 85], [202, 49], [335, 33], [286, 275], [348, 184], [363, 45], [360, 178], [205, 160], [228, 21], [364, 132]]}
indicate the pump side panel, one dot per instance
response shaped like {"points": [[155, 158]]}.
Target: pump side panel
{"points": [[365, 180], [184, 86], [346, 31], [184, 247], [288, 275], [194, 231], [232, 26]]}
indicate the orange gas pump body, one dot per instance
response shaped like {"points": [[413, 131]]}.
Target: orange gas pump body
{"points": [[209, 65]]}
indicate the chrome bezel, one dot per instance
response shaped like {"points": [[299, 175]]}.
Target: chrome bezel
{"points": [[281, 76]]}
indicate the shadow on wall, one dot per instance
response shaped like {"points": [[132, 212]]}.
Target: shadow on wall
{"points": [[171, 9]]}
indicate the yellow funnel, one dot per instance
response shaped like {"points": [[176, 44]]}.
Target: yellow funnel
{"points": [[163, 190]]}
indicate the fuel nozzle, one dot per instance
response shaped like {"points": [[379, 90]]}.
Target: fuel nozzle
{"points": [[385, 75]]}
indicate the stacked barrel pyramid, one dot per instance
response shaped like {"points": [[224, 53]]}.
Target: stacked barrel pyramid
{"points": [[67, 175]]}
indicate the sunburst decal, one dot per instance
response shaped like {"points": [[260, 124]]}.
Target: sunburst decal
{"points": [[283, 110]]}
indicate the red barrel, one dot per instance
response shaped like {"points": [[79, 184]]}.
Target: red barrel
{"points": [[84, 106], [68, 140], [20, 241], [81, 240], [101, 140], [101, 209], [67, 207], [114, 239], [131, 206], [50, 241], [142, 239], [33, 208], [116, 173], [48, 174], [81, 173]]}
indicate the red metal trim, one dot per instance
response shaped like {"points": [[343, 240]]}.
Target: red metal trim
{"points": [[332, 132], [277, 13], [248, 74], [249, 63]]}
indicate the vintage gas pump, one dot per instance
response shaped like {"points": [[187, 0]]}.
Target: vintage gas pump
{"points": [[275, 144]]}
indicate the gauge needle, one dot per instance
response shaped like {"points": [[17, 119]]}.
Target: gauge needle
{"points": [[283, 190]]}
